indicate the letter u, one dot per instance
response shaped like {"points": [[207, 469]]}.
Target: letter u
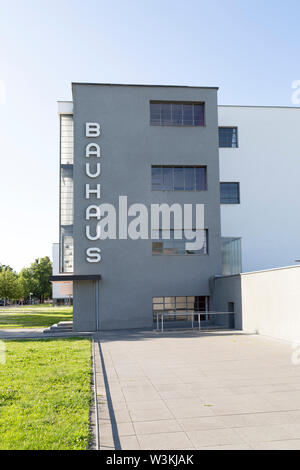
{"points": [[89, 173], [93, 237]]}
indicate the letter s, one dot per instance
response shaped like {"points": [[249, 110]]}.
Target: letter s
{"points": [[93, 255]]}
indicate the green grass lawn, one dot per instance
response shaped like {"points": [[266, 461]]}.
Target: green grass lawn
{"points": [[45, 394], [34, 316]]}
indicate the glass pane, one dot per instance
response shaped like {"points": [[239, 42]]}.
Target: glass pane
{"points": [[229, 193], [198, 115], [157, 247], [166, 114], [181, 308], [158, 306], [168, 248], [156, 177], [231, 256], [158, 300], [200, 179], [178, 179], [66, 195], [190, 307], [188, 115], [169, 299], [155, 110], [179, 247], [228, 137], [167, 179], [177, 114], [66, 140], [200, 304], [189, 179]]}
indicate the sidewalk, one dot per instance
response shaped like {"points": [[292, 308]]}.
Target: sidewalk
{"points": [[188, 390]]}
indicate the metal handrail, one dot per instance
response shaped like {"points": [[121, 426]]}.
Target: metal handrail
{"points": [[167, 313]]}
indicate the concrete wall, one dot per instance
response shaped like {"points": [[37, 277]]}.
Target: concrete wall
{"points": [[271, 302], [268, 300], [131, 275], [84, 306], [266, 164], [228, 289]]}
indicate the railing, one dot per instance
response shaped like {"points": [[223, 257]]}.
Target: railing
{"points": [[160, 317]]}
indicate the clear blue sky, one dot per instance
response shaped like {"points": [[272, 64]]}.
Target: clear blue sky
{"points": [[249, 48]]}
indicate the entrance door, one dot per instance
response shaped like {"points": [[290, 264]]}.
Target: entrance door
{"points": [[201, 304]]}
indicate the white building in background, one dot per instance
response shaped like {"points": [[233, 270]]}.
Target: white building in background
{"points": [[260, 185], [62, 292]]}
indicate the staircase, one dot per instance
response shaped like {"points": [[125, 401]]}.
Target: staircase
{"points": [[61, 327]]}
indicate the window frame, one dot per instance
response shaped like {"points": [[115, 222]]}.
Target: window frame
{"points": [[173, 167], [204, 313], [159, 240], [239, 192], [177, 103], [237, 137]]}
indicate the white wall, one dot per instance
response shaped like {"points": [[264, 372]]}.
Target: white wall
{"points": [[271, 303], [267, 165]]}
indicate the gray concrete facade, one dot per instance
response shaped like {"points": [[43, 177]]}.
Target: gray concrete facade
{"points": [[227, 289], [130, 274]]}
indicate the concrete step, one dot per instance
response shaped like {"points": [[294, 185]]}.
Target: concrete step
{"points": [[61, 327]]}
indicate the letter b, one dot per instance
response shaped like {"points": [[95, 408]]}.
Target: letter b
{"points": [[92, 129]]}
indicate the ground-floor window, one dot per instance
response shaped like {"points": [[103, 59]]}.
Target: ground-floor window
{"points": [[181, 304]]}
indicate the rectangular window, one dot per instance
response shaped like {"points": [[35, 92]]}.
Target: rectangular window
{"points": [[170, 244], [196, 303], [165, 113], [228, 137], [179, 178], [230, 193]]}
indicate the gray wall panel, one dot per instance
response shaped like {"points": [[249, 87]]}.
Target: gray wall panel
{"points": [[131, 275]]}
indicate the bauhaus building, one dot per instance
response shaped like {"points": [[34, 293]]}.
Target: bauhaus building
{"points": [[134, 145]]}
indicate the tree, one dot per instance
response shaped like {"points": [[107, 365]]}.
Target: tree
{"points": [[40, 271], [8, 285], [28, 284], [4, 267]]}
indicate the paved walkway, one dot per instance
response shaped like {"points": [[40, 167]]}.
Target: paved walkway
{"points": [[186, 390]]}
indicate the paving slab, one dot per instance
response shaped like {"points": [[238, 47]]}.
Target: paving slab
{"points": [[191, 390]]}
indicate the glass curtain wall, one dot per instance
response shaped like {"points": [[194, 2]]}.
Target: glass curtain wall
{"points": [[231, 256], [66, 193]]}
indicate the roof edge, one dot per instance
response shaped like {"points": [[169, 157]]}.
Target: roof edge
{"points": [[144, 85], [255, 106]]}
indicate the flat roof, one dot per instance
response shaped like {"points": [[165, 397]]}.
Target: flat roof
{"points": [[280, 268], [145, 85]]}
